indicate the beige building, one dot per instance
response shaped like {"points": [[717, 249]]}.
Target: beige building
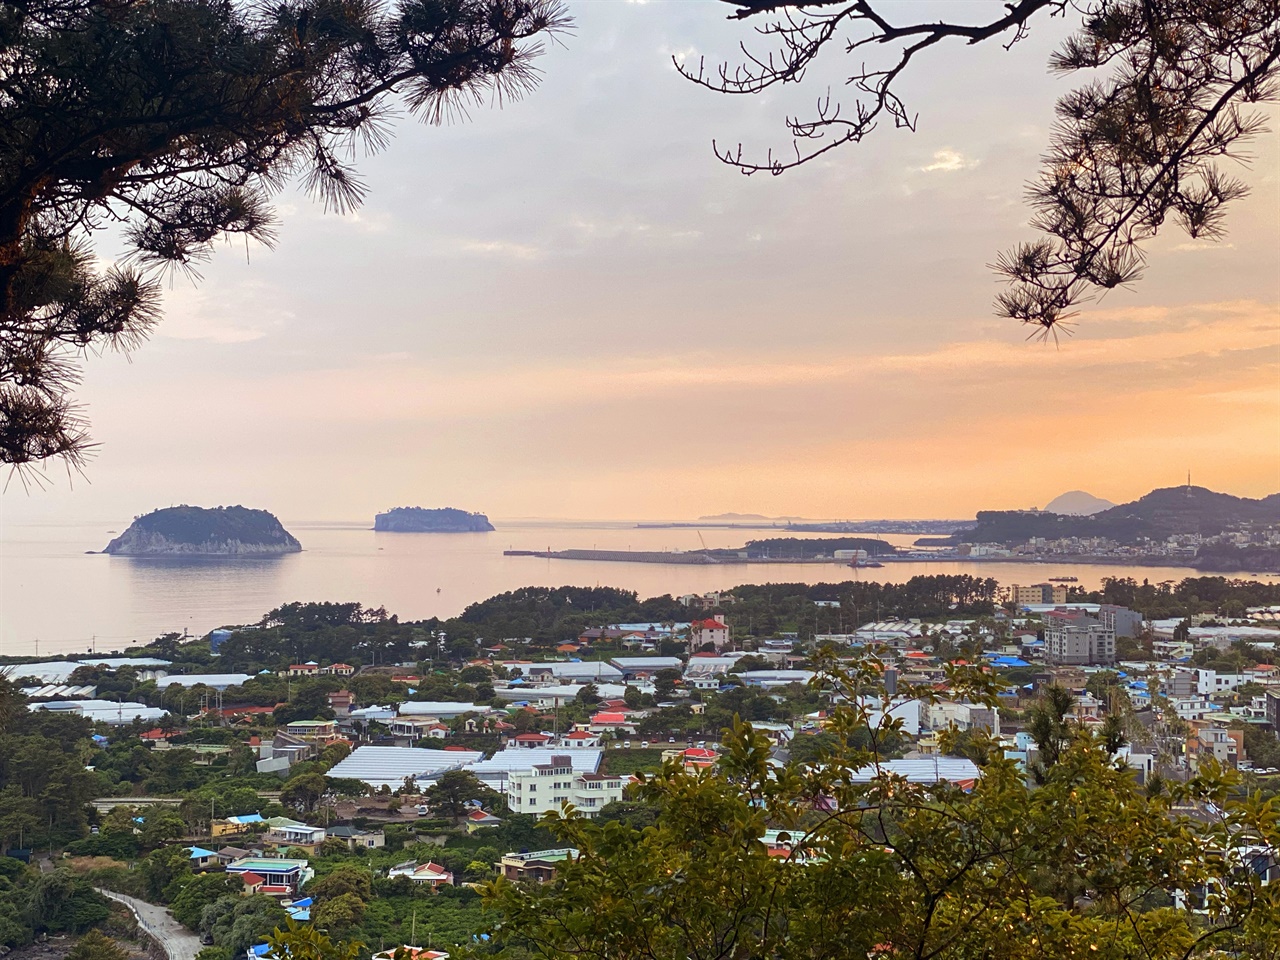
{"points": [[1038, 593]]}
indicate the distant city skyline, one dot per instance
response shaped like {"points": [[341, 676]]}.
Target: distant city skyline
{"points": [[569, 308]]}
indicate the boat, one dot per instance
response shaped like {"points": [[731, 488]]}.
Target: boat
{"points": [[1064, 579]]}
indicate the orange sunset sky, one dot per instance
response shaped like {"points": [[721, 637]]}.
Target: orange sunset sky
{"points": [[569, 308]]}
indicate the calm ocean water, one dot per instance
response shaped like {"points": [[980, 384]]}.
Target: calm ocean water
{"points": [[55, 598]]}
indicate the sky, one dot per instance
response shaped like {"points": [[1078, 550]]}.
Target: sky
{"points": [[568, 308]]}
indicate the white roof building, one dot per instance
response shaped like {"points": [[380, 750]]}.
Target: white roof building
{"points": [[925, 770], [444, 709], [580, 670], [59, 671], [218, 681], [104, 711], [377, 766]]}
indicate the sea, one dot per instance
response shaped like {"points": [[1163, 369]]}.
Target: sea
{"points": [[58, 596]]}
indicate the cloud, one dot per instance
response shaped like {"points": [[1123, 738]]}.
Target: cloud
{"points": [[1193, 245], [239, 313], [948, 161], [503, 248]]}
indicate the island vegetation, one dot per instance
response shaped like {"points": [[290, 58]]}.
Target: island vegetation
{"points": [[422, 520], [204, 531]]}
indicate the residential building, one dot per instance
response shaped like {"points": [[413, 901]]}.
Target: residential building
{"points": [[712, 631], [341, 702], [1121, 621], [319, 730], [231, 854], [358, 838], [1210, 682], [612, 722], [275, 876], [285, 833], [1076, 638], [339, 670], [200, 858], [308, 669], [1273, 709], [478, 819], [547, 786], [231, 826], [707, 601], [416, 728], [1224, 746], [530, 741], [538, 866], [432, 874]]}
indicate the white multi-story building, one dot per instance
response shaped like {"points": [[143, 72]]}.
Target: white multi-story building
{"points": [[548, 786]]}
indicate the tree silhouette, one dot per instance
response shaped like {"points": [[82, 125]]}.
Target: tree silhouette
{"points": [[1127, 153], [173, 122]]}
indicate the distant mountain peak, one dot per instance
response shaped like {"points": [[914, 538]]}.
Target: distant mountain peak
{"points": [[1078, 503]]}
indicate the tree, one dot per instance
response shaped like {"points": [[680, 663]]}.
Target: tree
{"points": [[348, 878], [872, 866], [97, 946], [664, 683], [297, 941], [339, 914], [1049, 726], [303, 791], [176, 121], [64, 903], [202, 891], [1127, 153], [448, 796]]}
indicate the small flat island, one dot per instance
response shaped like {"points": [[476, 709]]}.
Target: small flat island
{"points": [[422, 520], [187, 531]]}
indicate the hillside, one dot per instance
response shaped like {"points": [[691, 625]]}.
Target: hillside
{"points": [[1159, 514], [204, 531], [421, 520]]}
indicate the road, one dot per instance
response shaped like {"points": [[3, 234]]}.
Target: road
{"points": [[178, 942]]}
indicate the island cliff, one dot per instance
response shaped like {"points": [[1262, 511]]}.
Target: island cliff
{"points": [[203, 531], [419, 520]]}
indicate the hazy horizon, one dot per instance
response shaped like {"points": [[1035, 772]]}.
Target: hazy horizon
{"points": [[568, 306]]}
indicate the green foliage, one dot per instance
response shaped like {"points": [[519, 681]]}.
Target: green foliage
{"points": [[61, 902], [238, 923], [339, 914], [97, 946], [1083, 864], [200, 891], [347, 879], [308, 941]]}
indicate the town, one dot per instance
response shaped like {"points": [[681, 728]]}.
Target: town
{"points": [[374, 783]]}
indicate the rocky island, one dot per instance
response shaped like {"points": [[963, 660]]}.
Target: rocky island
{"points": [[420, 520], [186, 531]]}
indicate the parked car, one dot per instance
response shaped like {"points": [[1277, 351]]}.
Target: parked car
{"points": [[627, 744], [644, 744], [671, 740]]}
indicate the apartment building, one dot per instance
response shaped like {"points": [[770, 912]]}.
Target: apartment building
{"points": [[547, 786], [1076, 638]]}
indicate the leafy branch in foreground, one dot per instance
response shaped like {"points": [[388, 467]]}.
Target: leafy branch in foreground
{"points": [[173, 122], [1127, 153], [841, 858]]}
